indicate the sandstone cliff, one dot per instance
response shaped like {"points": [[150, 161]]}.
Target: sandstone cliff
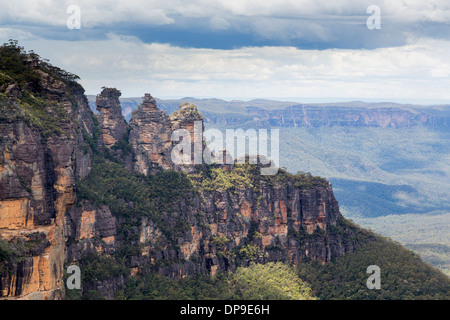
{"points": [[151, 134], [112, 123], [42, 154], [78, 189], [208, 219]]}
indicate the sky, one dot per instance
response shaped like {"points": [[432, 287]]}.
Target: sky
{"points": [[302, 50]]}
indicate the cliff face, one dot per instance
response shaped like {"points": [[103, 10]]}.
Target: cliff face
{"points": [[230, 228], [193, 219], [208, 229], [212, 226], [38, 172]]}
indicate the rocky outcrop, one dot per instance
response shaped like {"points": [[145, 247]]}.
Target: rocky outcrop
{"points": [[152, 132], [150, 137], [276, 223], [188, 118], [89, 229], [113, 126]]}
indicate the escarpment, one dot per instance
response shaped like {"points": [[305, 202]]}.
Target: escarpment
{"points": [[206, 219], [42, 155], [92, 190]]}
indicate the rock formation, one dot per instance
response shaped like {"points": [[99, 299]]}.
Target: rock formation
{"points": [[46, 149], [112, 123], [150, 137], [38, 173]]}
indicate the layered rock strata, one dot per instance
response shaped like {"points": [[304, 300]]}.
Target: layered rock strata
{"points": [[38, 175]]}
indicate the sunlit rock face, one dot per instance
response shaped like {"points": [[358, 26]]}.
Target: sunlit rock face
{"points": [[37, 177]]}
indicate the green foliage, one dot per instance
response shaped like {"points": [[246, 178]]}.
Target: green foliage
{"points": [[219, 241], [45, 116], [93, 295], [5, 79], [247, 176], [94, 268], [246, 253], [123, 144], [18, 250], [213, 178], [270, 281], [303, 180], [90, 142], [186, 111], [403, 274], [5, 253], [21, 68], [132, 196], [155, 287], [102, 267], [16, 64]]}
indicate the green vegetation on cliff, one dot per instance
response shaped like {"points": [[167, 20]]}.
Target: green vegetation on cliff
{"points": [[131, 195], [16, 251], [404, 276], [22, 77], [248, 176], [20, 67], [271, 281]]}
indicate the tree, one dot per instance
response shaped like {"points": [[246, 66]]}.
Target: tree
{"points": [[271, 281]]}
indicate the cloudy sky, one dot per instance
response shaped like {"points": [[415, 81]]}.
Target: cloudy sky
{"points": [[302, 50]]}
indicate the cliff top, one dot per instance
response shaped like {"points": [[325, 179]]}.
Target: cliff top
{"points": [[109, 99], [110, 92], [27, 69], [186, 112], [32, 89]]}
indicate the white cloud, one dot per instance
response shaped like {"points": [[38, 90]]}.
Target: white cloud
{"points": [[158, 12], [417, 70], [16, 34], [218, 23], [93, 13]]}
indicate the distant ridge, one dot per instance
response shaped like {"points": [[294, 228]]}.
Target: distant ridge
{"points": [[292, 114]]}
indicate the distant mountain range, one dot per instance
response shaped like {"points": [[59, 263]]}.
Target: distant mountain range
{"points": [[263, 112]]}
